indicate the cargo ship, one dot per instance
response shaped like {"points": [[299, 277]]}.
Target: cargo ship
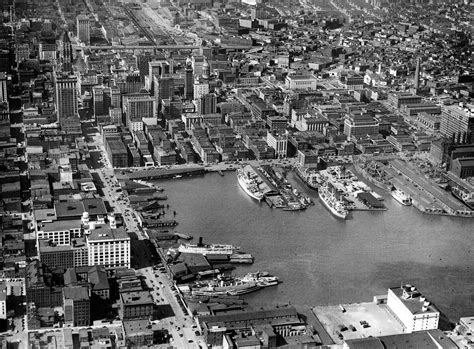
{"points": [[401, 197], [331, 201], [310, 177], [249, 182]]}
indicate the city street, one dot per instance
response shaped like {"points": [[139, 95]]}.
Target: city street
{"points": [[171, 315], [180, 325]]}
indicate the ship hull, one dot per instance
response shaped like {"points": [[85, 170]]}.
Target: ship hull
{"points": [[332, 209], [397, 197], [256, 196]]}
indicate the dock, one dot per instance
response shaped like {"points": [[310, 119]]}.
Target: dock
{"points": [[356, 193], [183, 236], [153, 174], [426, 195]]}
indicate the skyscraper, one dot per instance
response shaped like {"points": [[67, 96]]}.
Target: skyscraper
{"points": [[83, 29], [98, 98], [3, 87], [207, 104], [66, 53], [457, 124], [66, 96], [189, 81]]}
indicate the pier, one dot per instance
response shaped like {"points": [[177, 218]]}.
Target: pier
{"points": [[162, 173], [355, 192]]}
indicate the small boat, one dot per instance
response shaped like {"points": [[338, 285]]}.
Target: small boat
{"points": [[401, 197]]}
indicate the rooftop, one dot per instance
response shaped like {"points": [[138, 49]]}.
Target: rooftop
{"points": [[136, 298], [76, 293], [104, 232], [60, 225], [413, 300], [66, 209]]}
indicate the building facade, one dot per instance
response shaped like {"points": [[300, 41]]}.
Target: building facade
{"points": [[83, 29], [411, 309], [66, 96], [109, 247]]}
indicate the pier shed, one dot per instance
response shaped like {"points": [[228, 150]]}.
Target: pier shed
{"points": [[369, 200]]}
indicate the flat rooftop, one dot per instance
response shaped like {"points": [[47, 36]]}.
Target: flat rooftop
{"points": [[379, 318], [61, 225], [414, 303], [136, 298], [104, 232]]}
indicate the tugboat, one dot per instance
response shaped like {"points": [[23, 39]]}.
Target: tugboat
{"points": [[335, 205]]}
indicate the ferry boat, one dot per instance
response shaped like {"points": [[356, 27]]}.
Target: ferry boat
{"points": [[401, 197], [208, 249], [249, 183], [328, 197]]}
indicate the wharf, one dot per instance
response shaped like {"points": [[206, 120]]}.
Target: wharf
{"points": [[374, 172], [288, 199], [357, 193], [428, 196], [152, 174]]}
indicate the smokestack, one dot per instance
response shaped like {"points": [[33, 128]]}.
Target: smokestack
{"points": [[200, 241], [417, 73]]}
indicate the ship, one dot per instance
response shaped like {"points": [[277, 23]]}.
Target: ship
{"points": [[466, 197], [232, 288], [331, 201], [401, 197], [311, 178], [208, 249], [249, 182], [262, 279]]}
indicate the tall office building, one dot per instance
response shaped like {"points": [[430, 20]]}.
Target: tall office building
{"points": [[163, 88], [76, 301], [457, 124], [137, 108], [3, 87], [207, 104], [115, 97], [156, 68], [98, 99], [189, 81], [83, 28], [66, 53], [109, 247], [66, 96]]}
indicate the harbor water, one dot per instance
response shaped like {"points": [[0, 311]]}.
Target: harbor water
{"points": [[321, 259]]}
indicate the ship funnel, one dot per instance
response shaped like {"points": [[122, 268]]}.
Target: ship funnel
{"points": [[200, 241]]}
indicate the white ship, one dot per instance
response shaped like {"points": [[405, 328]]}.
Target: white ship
{"points": [[262, 279], [208, 249], [329, 199], [401, 197], [249, 182]]}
